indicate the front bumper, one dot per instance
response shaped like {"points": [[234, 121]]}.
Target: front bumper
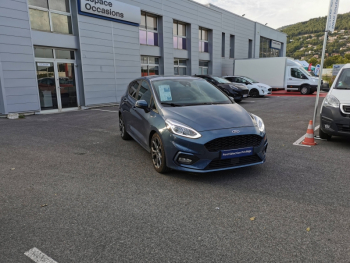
{"points": [[264, 92], [334, 122], [209, 161]]}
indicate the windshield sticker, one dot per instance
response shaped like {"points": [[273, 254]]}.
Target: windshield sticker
{"points": [[165, 93]]}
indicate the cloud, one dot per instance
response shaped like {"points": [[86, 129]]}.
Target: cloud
{"points": [[278, 13]]}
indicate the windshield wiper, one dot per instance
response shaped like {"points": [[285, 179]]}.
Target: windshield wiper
{"points": [[172, 104]]}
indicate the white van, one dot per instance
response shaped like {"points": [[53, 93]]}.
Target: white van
{"points": [[335, 109], [280, 73]]}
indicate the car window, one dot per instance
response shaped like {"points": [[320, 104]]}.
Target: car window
{"points": [[188, 92], [133, 89], [343, 80], [231, 79], [295, 73], [144, 92]]}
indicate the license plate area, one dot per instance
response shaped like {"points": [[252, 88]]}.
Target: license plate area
{"points": [[229, 154], [245, 95]]}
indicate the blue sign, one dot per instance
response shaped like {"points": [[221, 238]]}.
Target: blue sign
{"points": [[229, 154]]}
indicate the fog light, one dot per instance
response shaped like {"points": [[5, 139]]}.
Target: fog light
{"points": [[184, 160], [327, 126]]}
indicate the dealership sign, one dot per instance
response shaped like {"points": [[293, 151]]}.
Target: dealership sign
{"points": [[276, 45], [111, 10]]}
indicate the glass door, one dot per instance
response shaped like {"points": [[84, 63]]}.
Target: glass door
{"points": [[66, 85], [47, 85]]}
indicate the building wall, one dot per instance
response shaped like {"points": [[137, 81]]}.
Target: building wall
{"points": [[18, 77], [109, 53]]}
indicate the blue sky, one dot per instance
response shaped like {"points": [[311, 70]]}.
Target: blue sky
{"points": [[278, 13]]}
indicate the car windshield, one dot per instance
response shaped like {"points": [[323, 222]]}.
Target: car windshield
{"points": [[251, 80], [188, 92], [305, 71], [221, 80], [343, 80]]}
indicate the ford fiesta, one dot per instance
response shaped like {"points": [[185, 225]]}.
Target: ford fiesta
{"points": [[187, 124]]}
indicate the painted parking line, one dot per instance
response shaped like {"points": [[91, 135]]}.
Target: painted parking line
{"points": [[298, 142], [39, 257], [105, 110]]}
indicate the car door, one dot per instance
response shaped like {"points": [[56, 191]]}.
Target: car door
{"points": [[143, 118], [295, 79], [128, 105]]}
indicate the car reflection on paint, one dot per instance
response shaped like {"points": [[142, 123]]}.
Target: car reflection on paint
{"points": [[189, 125]]}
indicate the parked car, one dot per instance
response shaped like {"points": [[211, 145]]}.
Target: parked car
{"points": [[279, 72], [335, 109], [256, 89], [189, 125], [237, 91]]}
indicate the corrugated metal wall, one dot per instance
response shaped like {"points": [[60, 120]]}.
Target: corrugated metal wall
{"points": [[20, 89]]}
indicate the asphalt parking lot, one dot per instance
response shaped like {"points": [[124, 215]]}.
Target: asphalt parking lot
{"points": [[71, 187]]}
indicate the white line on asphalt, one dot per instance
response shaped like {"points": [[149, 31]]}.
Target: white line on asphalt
{"points": [[248, 101], [297, 143], [37, 256], [105, 110]]}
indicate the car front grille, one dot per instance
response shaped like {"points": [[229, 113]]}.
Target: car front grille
{"points": [[233, 142], [343, 128], [234, 162], [346, 108]]}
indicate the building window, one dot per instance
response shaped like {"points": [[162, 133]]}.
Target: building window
{"points": [[148, 29], [223, 45], [232, 46], [180, 66], [250, 48], [203, 40], [149, 66], [203, 68], [51, 16], [265, 49], [179, 35]]}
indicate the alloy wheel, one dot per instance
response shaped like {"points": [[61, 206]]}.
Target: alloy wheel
{"points": [[156, 153], [121, 127]]}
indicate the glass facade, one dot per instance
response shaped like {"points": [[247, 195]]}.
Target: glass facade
{"points": [[265, 50], [149, 66], [179, 35], [180, 67], [148, 30], [203, 68], [51, 16]]}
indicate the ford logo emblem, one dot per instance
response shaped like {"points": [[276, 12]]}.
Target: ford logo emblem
{"points": [[236, 131]]}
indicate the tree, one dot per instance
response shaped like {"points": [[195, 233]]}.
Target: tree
{"points": [[313, 61]]}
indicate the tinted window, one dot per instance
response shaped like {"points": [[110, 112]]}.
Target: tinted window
{"points": [[133, 89], [295, 73], [188, 92], [145, 92]]}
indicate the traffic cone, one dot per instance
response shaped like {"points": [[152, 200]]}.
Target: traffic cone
{"points": [[309, 138]]}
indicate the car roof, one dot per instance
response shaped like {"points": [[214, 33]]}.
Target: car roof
{"points": [[160, 77]]}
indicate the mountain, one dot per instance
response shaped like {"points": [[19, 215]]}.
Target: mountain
{"points": [[305, 40]]}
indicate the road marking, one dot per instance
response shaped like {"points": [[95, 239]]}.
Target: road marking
{"points": [[105, 110], [297, 143], [248, 101], [37, 256]]}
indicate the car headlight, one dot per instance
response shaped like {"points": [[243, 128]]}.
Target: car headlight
{"points": [[181, 129], [331, 101], [259, 123], [262, 87]]}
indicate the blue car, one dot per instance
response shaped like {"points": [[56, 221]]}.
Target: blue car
{"points": [[188, 124]]}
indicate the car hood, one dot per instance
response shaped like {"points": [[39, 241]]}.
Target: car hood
{"points": [[342, 95], [210, 117], [263, 85]]}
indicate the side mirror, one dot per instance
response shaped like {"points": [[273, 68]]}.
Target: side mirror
{"points": [[141, 104], [304, 77]]}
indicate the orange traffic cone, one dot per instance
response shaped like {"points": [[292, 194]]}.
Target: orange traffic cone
{"points": [[309, 138]]}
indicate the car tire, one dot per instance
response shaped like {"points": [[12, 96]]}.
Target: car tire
{"points": [[305, 90], [158, 154], [238, 100], [324, 135], [123, 132], [254, 93]]}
